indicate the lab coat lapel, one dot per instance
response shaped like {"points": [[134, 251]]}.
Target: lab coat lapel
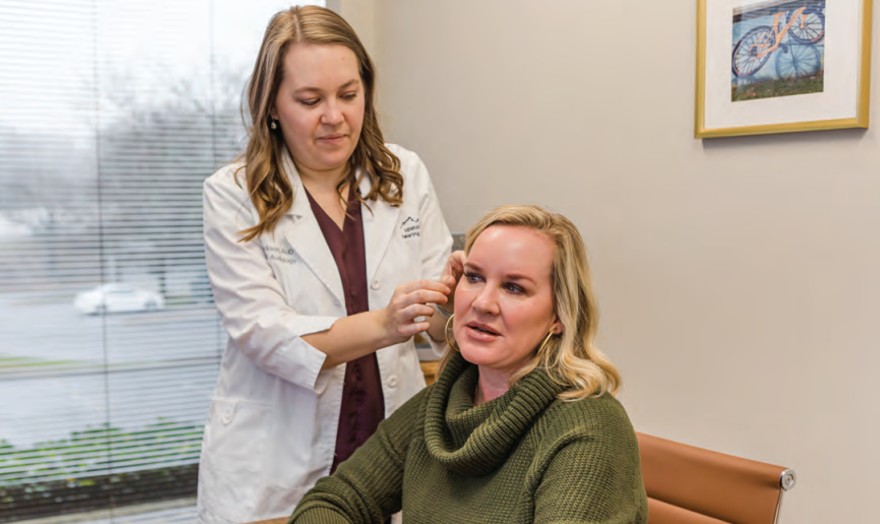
{"points": [[379, 227], [307, 239]]}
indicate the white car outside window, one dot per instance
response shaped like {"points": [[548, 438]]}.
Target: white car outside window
{"points": [[112, 298]]}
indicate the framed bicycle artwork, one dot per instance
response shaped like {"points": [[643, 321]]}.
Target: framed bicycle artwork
{"points": [[778, 66]]}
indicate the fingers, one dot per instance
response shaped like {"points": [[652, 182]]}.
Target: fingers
{"points": [[409, 321], [422, 285], [452, 273], [411, 306], [455, 265], [418, 301], [412, 329]]}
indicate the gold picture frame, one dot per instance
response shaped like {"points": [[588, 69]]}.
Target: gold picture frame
{"points": [[780, 66]]}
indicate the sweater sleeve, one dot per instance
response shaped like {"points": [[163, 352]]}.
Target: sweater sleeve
{"points": [[593, 475], [367, 487]]}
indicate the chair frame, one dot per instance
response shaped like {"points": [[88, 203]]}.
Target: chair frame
{"points": [[691, 485]]}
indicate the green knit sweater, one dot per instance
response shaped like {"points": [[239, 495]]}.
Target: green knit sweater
{"points": [[524, 457]]}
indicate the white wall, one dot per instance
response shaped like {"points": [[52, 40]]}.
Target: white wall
{"points": [[737, 278]]}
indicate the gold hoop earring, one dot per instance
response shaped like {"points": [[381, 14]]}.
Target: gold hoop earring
{"points": [[544, 343], [449, 341]]}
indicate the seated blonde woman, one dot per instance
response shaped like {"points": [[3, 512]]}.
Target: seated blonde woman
{"points": [[521, 425]]}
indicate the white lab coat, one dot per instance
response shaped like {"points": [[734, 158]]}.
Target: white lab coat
{"points": [[271, 430]]}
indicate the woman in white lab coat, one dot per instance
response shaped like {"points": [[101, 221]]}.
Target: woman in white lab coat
{"points": [[325, 248]]}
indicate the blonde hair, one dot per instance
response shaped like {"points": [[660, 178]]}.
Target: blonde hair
{"points": [[267, 184], [571, 359]]}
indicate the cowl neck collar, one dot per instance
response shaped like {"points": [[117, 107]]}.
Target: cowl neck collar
{"points": [[473, 440]]}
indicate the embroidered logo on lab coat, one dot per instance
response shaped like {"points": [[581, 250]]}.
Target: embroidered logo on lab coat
{"points": [[280, 254], [410, 228]]}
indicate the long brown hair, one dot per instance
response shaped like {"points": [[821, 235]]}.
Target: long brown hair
{"points": [[267, 183]]}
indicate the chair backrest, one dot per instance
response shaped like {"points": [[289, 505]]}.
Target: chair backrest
{"points": [[691, 485]]}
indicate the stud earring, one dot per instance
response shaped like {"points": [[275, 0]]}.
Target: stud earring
{"points": [[273, 124]]}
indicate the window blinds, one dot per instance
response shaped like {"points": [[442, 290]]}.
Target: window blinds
{"points": [[114, 112]]}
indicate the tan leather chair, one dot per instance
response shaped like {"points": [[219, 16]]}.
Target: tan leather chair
{"points": [[690, 485]]}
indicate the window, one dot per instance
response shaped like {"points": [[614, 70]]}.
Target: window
{"points": [[114, 112]]}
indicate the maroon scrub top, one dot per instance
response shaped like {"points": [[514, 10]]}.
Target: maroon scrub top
{"points": [[363, 404]]}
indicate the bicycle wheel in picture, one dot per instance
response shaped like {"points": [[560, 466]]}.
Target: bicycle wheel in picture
{"points": [[778, 49], [782, 66]]}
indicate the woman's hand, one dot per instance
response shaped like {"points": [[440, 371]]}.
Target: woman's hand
{"points": [[451, 275], [408, 313], [410, 308]]}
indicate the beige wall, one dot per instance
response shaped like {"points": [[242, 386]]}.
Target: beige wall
{"points": [[361, 15], [738, 278]]}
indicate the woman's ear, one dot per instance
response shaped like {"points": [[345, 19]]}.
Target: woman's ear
{"points": [[556, 327]]}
